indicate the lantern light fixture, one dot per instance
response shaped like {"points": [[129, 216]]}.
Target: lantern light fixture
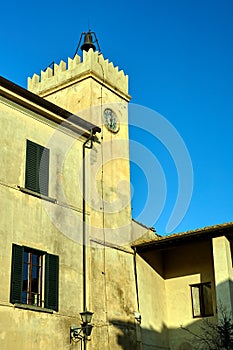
{"points": [[83, 332]]}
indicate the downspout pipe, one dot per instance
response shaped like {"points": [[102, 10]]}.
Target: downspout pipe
{"points": [[136, 276], [88, 144], [137, 315]]}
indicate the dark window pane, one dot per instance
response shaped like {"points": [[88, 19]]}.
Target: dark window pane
{"points": [[35, 259], [24, 297], [202, 300], [35, 285], [25, 285], [25, 257], [25, 277], [34, 272], [207, 299], [25, 271]]}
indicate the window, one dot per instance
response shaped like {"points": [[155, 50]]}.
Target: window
{"points": [[34, 278], [37, 168], [202, 299]]}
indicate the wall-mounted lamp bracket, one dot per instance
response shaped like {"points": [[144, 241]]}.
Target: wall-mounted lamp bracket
{"points": [[75, 334], [80, 333]]}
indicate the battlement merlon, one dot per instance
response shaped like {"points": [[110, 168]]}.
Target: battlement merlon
{"points": [[93, 65]]}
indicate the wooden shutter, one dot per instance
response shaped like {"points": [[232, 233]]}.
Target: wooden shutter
{"points": [[31, 167], [16, 274], [43, 175], [51, 281], [37, 168]]}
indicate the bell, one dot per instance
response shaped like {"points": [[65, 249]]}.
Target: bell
{"points": [[88, 43]]}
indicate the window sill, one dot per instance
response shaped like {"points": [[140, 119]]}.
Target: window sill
{"points": [[33, 308], [203, 316], [36, 194]]}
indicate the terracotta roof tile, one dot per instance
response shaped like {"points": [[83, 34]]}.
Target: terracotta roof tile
{"points": [[215, 230]]}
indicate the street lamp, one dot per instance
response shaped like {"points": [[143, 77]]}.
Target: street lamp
{"points": [[86, 316], [81, 333]]}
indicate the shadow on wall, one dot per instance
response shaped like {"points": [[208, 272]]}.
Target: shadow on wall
{"points": [[224, 296], [127, 335], [131, 336]]}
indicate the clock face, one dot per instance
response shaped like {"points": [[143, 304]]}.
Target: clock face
{"points": [[110, 120]]}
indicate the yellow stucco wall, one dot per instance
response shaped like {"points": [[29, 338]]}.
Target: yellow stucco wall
{"points": [[113, 297], [153, 302], [222, 255], [186, 265], [166, 274], [27, 220]]}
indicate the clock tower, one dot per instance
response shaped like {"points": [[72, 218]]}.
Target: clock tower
{"points": [[94, 89]]}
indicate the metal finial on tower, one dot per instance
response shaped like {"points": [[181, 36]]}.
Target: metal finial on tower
{"points": [[88, 42]]}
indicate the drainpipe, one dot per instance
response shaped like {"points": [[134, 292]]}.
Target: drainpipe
{"points": [[136, 276], [87, 144], [137, 314]]}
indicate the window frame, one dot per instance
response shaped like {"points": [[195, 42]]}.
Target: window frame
{"points": [[30, 266], [49, 283], [202, 300]]}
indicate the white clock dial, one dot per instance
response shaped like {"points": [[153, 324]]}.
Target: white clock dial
{"points": [[111, 120]]}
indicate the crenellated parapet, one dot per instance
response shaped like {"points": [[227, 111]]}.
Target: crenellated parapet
{"points": [[64, 74]]}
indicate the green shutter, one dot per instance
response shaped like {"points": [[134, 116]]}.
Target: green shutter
{"points": [[16, 274], [43, 170], [51, 281], [37, 168], [31, 167]]}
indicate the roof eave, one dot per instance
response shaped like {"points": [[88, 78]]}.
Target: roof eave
{"points": [[37, 104], [200, 234]]}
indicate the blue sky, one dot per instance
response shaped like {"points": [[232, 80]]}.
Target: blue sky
{"points": [[179, 58]]}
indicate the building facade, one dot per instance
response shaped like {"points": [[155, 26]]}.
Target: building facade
{"points": [[69, 243]]}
